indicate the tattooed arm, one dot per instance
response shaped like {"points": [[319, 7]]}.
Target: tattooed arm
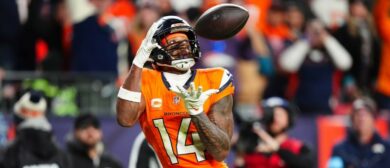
{"points": [[215, 130], [128, 112]]}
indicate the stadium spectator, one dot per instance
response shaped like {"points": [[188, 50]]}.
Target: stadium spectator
{"points": [[277, 35], [260, 49], [315, 60], [251, 72], [382, 19], [166, 8], [363, 146], [250, 83], [41, 38], [95, 39], [57, 38], [271, 146], [295, 19], [86, 148], [10, 30], [275, 30], [147, 13], [359, 37], [303, 5], [34, 145]]}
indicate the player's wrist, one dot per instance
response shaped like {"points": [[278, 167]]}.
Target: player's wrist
{"points": [[129, 95], [195, 111], [194, 107], [141, 57], [143, 53]]}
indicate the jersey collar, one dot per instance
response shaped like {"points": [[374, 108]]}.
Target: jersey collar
{"points": [[186, 85]]}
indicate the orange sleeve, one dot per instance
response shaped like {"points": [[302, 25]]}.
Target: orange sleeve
{"points": [[224, 82], [382, 18], [225, 92]]}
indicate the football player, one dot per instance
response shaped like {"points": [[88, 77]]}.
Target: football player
{"points": [[185, 114]]}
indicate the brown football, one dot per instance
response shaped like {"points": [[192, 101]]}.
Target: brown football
{"points": [[221, 21]]}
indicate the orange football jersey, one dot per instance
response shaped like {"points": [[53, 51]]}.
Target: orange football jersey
{"points": [[166, 123]]}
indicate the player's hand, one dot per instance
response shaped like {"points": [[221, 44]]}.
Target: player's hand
{"points": [[194, 98], [269, 144], [147, 45]]}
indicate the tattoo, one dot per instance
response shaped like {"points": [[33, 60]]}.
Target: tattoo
{"points": [[215, 130]]}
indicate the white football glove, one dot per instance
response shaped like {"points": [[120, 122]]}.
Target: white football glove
{"points": [[147, 45], [195, 98]]}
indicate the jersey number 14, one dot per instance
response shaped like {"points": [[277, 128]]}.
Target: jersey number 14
{"points": [[197, 146]]}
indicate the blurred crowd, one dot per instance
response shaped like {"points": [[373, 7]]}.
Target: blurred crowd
{"points": [[319, 55], [288, 49], [34, 145]]}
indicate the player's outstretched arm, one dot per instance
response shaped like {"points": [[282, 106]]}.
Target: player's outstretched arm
{"points": [[130, 103], [216, 129], [129, 109]]}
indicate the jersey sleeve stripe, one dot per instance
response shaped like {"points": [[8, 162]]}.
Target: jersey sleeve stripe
{"points": [[226, 85], [226, 76]]}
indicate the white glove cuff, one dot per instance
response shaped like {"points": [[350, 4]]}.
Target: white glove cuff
{"points": [[129, 95], [141, 57]]}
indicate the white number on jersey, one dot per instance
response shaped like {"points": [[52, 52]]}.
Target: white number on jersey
{"points": [[197, 146]]}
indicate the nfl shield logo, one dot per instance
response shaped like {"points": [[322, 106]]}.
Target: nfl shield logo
{"points": [[176, 100]]}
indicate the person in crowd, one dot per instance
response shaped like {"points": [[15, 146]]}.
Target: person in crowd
{"points": [[33, 145], [382, 19], [278, 36], [96, 34], [166, 8], [85, 148], [276, 31], [148, 12], [315, 59], [363, 146], [295, 20], [267, 144], [359, 38], [10, 31], [40, 38]]}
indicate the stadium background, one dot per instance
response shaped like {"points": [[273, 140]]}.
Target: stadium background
{"points": [[78, 54]]}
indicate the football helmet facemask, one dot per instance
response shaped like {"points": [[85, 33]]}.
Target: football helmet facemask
{"points": [[180, 55]]}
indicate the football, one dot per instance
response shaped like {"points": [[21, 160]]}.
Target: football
{"points": [[221, 21]]}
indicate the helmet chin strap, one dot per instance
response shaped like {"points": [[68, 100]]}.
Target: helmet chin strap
{"points": [[182, 65]]}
